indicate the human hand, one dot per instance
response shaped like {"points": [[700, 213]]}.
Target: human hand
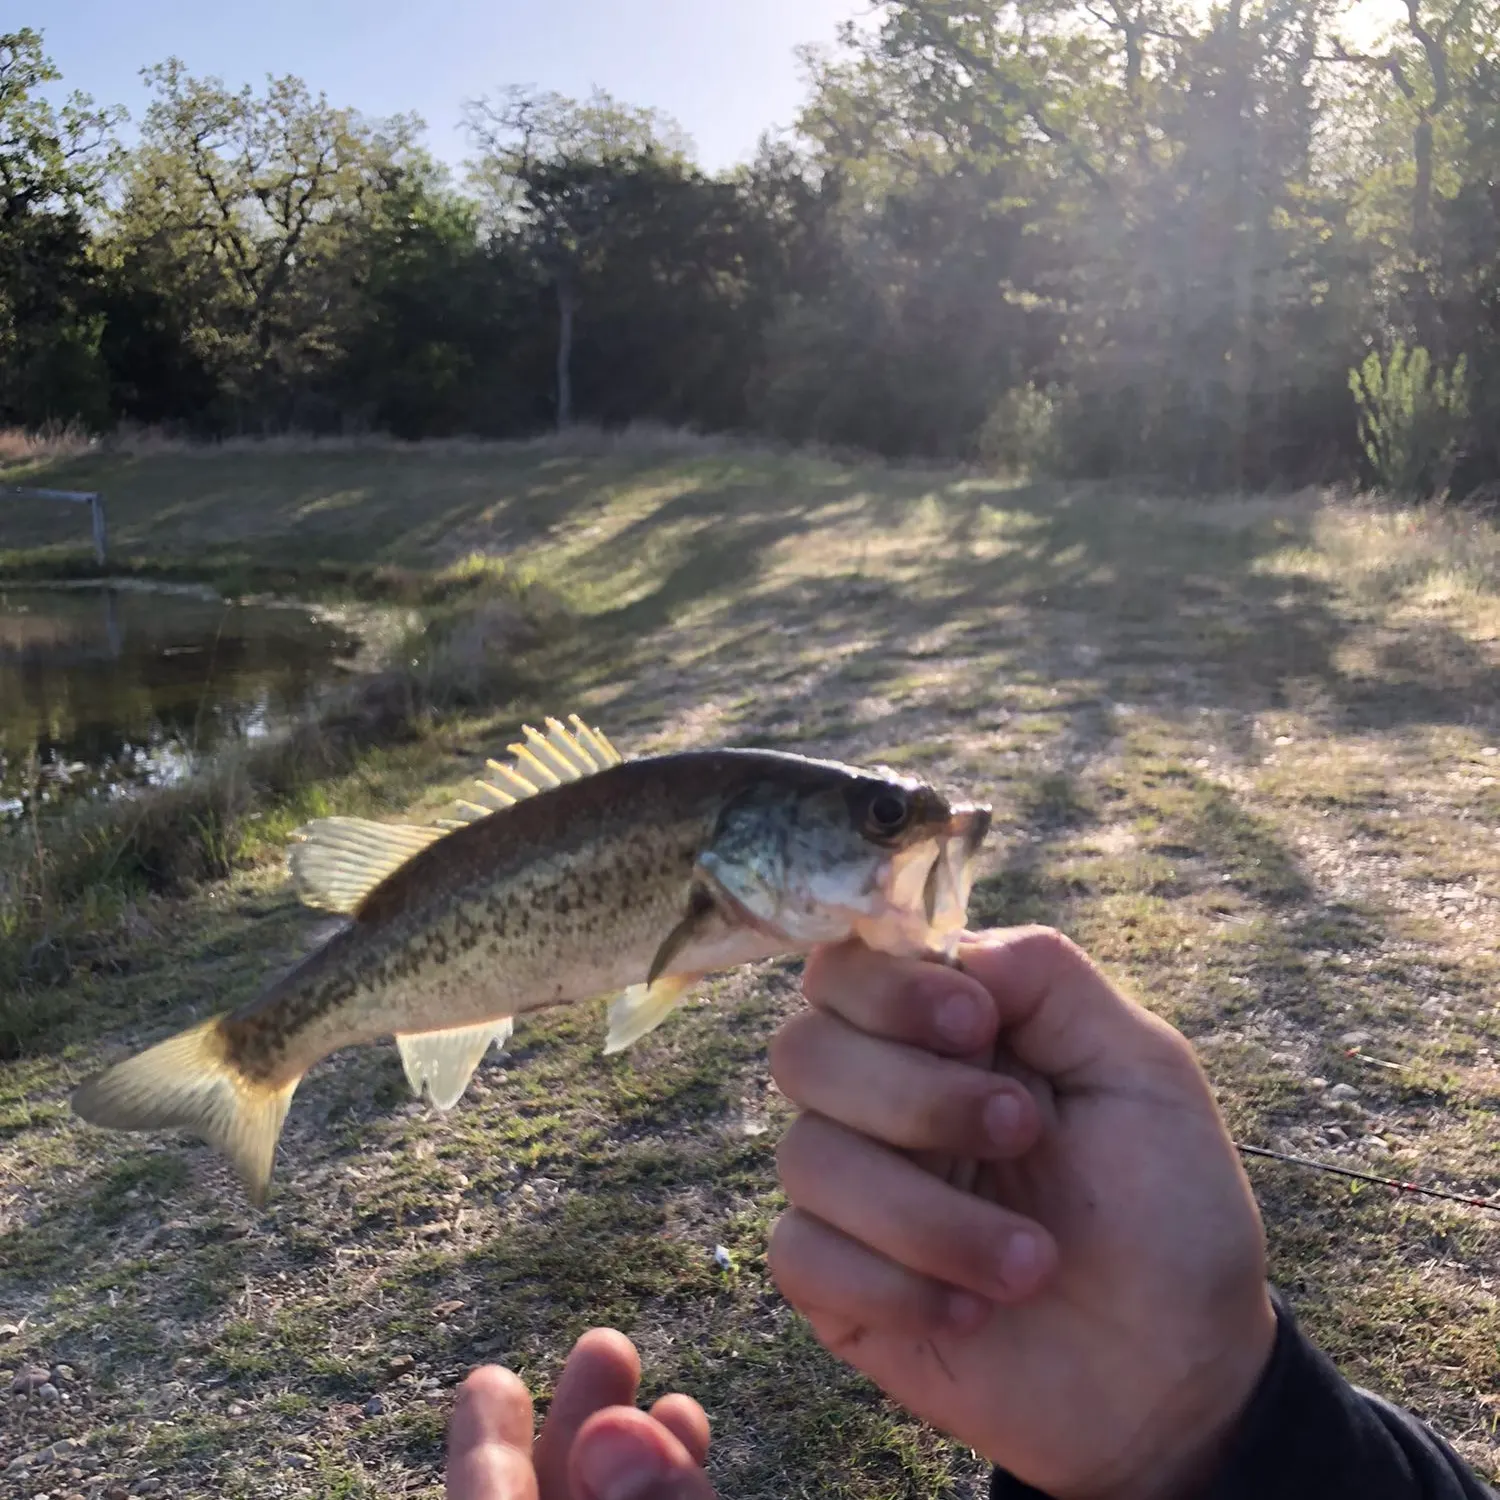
{"points": [[1093, 1317], [594, 1444]]}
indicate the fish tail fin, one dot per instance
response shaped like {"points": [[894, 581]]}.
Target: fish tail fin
{"points": [[190, 1082]]}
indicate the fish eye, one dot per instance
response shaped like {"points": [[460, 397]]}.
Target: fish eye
{"points": [[888, 812]]}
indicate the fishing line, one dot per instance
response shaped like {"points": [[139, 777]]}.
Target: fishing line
{"points": [[1395, 1184]]}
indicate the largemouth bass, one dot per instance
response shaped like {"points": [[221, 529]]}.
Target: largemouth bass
{"points": [[579, 876]]}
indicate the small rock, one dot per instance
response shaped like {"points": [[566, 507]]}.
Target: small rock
{"points": [[400, 1364], [117, 1492], [234, 1409], [146, 1487], [28, 1379], [1333, 1133], [1491, 750], [447, 1309], [62, 1374], [1317, 1083], [17, 1466], [1355, 1039], [298, 1461], [10, 1330], [723, 1259], [374, 1407], [1343, 1093], [47, 1393]]}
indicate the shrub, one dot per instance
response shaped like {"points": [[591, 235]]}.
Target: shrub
{"points": [[1412, 419]]}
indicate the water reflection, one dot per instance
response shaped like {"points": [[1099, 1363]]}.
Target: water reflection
{"points": [[103, 690]]}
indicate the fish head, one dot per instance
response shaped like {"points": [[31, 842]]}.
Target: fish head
{"points": [[839, 852]]}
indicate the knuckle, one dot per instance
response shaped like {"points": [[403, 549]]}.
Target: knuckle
{"points": [[790, 1051]]}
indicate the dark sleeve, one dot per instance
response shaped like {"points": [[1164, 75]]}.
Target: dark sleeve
{"points": [[1310, 1435]]}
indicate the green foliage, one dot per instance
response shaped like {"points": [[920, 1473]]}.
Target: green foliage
{"points": [[1411, 418], [53, 166], [1020, 435], [1183, 225]]}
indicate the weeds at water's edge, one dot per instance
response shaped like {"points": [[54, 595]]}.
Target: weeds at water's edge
{"points": [[71, 883]]}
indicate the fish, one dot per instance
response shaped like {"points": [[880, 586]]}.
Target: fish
{"points": [[577, 875]]}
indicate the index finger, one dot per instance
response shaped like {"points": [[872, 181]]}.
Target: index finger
{"points": [[489, 1439], [603, 1370], [924, 1005]]}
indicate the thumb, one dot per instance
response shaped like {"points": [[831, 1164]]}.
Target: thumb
{"points": [[1061, 1017], [622, 1454]]}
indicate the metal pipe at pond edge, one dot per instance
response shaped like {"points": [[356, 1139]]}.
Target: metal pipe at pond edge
{"points": [[92, 499]]}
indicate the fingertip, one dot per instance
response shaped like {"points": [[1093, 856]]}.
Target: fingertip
{"points": [[492, 1401], [622, 1454], [609, 1347], [825, 968], [687, 1422], [1027, 1262], [489, 1438]]}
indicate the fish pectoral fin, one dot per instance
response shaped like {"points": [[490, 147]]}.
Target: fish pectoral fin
{"points": [[702, 911], [337, 862], [443, 1062], [643, 1008], [543, 761]]}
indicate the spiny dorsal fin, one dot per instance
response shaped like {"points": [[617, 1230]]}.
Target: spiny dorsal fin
{"points": [[444, 1061], [337, 862], [541, 762]]}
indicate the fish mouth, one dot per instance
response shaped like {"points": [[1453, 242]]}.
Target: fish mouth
{"points": [[970, 826]]}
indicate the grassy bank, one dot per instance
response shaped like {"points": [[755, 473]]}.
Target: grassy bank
{"points": [[1243, 749]]}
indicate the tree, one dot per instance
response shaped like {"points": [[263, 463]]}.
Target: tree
{"points": [[53, 166], [251, 209], [547, 170]]}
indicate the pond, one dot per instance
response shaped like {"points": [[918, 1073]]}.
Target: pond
{"points": [[106, 690]]}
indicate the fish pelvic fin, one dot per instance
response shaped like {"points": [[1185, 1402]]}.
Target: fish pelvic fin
{"points": [[336, 862], [567, 752], [642, 1008], [443, 1062], [190, 1082]]}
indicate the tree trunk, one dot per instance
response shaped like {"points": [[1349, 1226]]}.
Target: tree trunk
{"points": [[567, 304]]}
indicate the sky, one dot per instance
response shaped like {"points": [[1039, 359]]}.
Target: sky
{"points": [[725, 69]]}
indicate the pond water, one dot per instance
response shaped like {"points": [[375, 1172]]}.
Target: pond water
{"points": [[103, 691]]}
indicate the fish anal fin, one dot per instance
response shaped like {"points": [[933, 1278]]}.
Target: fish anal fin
{"points": [[441, 1063], [642, 1008], [337, 862], [190, 1082]]}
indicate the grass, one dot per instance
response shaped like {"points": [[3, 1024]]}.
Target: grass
{"points": [[1237, 748]]}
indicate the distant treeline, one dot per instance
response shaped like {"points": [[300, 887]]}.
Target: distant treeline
{"points": [[1107, 237]]}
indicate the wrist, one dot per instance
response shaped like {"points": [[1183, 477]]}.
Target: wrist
{"points": [[1191, 1435]]}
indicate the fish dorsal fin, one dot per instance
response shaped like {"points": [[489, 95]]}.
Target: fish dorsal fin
{"points": [[541, 761], [443, 1062], [337, 862], [643, 1008]]}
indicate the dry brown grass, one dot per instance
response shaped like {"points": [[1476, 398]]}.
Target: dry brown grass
{"points": [[59, 441]]}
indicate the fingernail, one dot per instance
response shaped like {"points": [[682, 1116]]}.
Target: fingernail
{"points": [[613, 1466], [959, 1018], [966, 1312], [1021, 1261], [1002, 1118]]}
